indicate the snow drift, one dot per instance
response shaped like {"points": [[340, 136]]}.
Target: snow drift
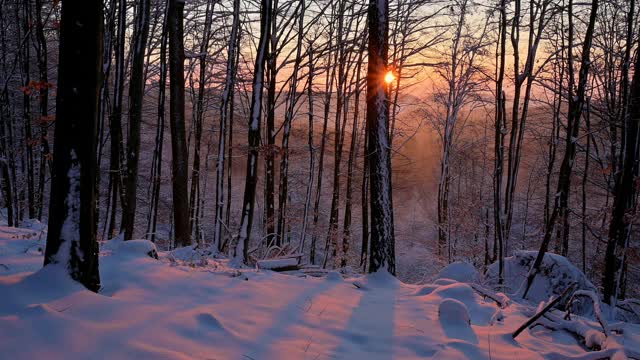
{"points": [[164, 309]]}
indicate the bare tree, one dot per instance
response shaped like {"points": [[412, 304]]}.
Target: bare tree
{"points": [[248, 203], [136, 96]]}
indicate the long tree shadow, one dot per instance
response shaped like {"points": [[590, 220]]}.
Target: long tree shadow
{"points": [[370, 330], [290, 315]]}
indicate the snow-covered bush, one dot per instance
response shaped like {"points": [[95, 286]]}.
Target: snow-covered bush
{"points": [[556, 274]]}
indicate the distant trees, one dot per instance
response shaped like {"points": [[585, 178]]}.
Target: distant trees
{"points": [[71, 240]]}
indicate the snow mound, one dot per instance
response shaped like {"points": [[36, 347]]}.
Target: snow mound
{"points": [[380, 279], [556, 274], [454, 313], [455, 321], [481, 311], [133, 248], [460, 271]]}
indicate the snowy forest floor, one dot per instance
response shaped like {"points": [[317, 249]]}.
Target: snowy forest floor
{"points": [[172, 309]]}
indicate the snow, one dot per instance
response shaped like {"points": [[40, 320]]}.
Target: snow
{"points": [[460, 271], [556, 274], [70, 232], [179, 307]]}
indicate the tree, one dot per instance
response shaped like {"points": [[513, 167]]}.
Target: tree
{"points": [[136, 96], [180, 156], [225, 105], [379, 151], [71, 240], [248, 202], [625, 191], [576, 107], [115, 119]]}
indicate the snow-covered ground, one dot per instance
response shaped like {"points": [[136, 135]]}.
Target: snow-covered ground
{"points": [[203, 309]]}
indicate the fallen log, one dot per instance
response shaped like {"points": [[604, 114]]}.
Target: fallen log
{"points": [[282, 264]]}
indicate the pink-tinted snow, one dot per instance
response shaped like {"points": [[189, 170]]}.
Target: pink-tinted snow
{"points": [[178, 308]]}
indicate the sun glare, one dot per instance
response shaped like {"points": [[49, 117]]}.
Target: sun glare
{"points": [[389, 77]]}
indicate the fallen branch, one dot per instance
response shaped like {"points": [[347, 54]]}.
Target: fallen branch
{"points": [[282, 264], [605, 347], [596, 308], [500, 299], [539, 314]]}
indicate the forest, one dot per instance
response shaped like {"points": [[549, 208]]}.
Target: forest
{"points": [[478, 159]]}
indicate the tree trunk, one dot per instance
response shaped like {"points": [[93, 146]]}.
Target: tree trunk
{"points": [[115, 120], [251, 182], [382, 231], [312, 157], [625, 192], [198, 122], [43, 96], [136, 96], [7, 184], [576, 104], [353, 149], [224, 111], [156, 166], [71, 240], [292, 97], [180, 156]]}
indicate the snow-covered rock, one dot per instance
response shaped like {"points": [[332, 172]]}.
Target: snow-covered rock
{"points": [[131, 247], [460, 271]]}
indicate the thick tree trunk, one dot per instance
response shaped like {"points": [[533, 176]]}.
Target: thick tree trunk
{"points": [[382, 230], [180, 156], [71, 240], [625, 191]]}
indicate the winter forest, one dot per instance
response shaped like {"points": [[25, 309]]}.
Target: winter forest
{"points": [[319, 179]]}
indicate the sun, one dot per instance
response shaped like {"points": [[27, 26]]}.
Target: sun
{"points": [[389, 77]]}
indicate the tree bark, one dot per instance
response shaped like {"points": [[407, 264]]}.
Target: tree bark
{"points": [[625, 192], [71, 240], [382, 229], [136, 96], [180, 156], [248, 203]]}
